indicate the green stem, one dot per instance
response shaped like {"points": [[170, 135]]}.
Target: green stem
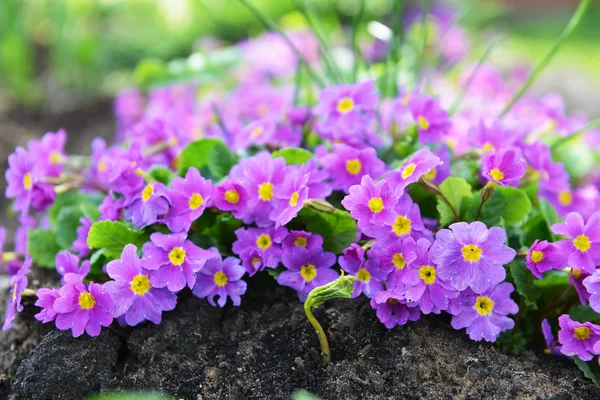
{"points": [[395, 54], [357, 53], [486, 54], [325, 352], [565, 35], [270, 24], [425, 12], [572, 136]]}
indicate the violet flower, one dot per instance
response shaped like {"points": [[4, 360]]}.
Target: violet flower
{"points": [[392, 309], [578, 339], [46, 298], [432, 121], [135, 298], [306, 270], [304, 239], [504, 166], [80, 244], [369, 276], [231, 196], [67, 262], [221, 278], [371, 203], [583, 243], [592, 285], [346, 166], [421, 162], [394, 258], [544, 256], [289, 197], [189, 198], [18, 284], [148, 206], [553, 346], [264, 243]]}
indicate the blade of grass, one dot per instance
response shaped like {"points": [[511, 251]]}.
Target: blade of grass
{"points": [[564, 36], [358, 57], [394, 60], [572, 136], [424, 14]]}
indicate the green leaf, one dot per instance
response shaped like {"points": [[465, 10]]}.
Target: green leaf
{"points": [[552, 280], [112, 236], [210, 156], [507, 202], [581, 313], [337, 228], [222, 232], [64, 200], [275, 272], [293, 155], [67, 223], [162, 174], [587, 370], [524, 282], [42, 247], [459, 194], [90, 211]]}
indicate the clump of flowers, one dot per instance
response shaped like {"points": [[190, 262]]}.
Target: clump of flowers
{"points": [[452, 201]]}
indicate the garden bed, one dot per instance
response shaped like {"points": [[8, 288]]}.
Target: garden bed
{"points": [[267, 349]]}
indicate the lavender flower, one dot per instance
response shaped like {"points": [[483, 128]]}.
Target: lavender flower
{"points": [[422, 162], [189, 198], [578, 339], [371, 203], [392, 309], [485, 315], [544, 256], [135, 298], [148, 206], [111, 208], [173, 260], [231, 196], [306, 270], [18, 283], [347, 165], [82, 307], [221, 278], [576, 278], [261, 243], [369, 276], [289, 198], [302, 239], [592, 285], [470, 255], [432, 121], [80, 244], [394, 258], [504, 166], [67, 262], [46, 299], [583, 243], [553, 347]]}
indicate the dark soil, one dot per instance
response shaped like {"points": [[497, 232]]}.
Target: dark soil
{"points": [[266, 349]]}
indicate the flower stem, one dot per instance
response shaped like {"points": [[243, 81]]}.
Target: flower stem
{"points": [[572, 136], [325, 352], [565, 35]]}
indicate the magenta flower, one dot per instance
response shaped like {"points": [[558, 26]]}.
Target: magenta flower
{"points": [[289, 197], [551, 343], [578, 339], [82, 307], [392, 309], [421, 162], [423, 285], [111, 208], [491, 137], [148, 206], [592, 285], [173, 260], [371, 203], [49, 152], [369, 276], [582, 246], [439, 174], [504, 166], [576, 278], [306, 270], [136, 299], [80, 244], [302, 239], [231, 196], [432, 121], [346, 166], [407, 222], [221, 278], [318, 187], [485, 315], [18, 283], [346, 111], [544, 256], [189, 198], [46, 298], [261, 175], [261, 245], [470, 255], [67, 262], [394, 258]]}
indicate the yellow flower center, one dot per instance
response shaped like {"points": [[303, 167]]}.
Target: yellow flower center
{"points": [[427, 274], [408, 170], [265, 191], [565, 198], [392, 301], [294, 199], [376, 204], [353, 166], [177, 256], [488, 147], [147, 192], [264, 241], [256, 260], [232, 196], [86, 301], [256, 132], [537, 256], [423, 123], [140, 284], [220, 279], [308, 272], [14, 291], [300, 241], [581, 333], [399, 261], [401, 226], [345, 105], [484, 305], [195, 201], [27, 181], [431, 174], [471, 253], [496, 174], [363, 275], [582, 243], [576, 273], [102, 167], [55, 157]]}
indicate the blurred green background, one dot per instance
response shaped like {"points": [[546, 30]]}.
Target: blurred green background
{"points": [[63, 51]]}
